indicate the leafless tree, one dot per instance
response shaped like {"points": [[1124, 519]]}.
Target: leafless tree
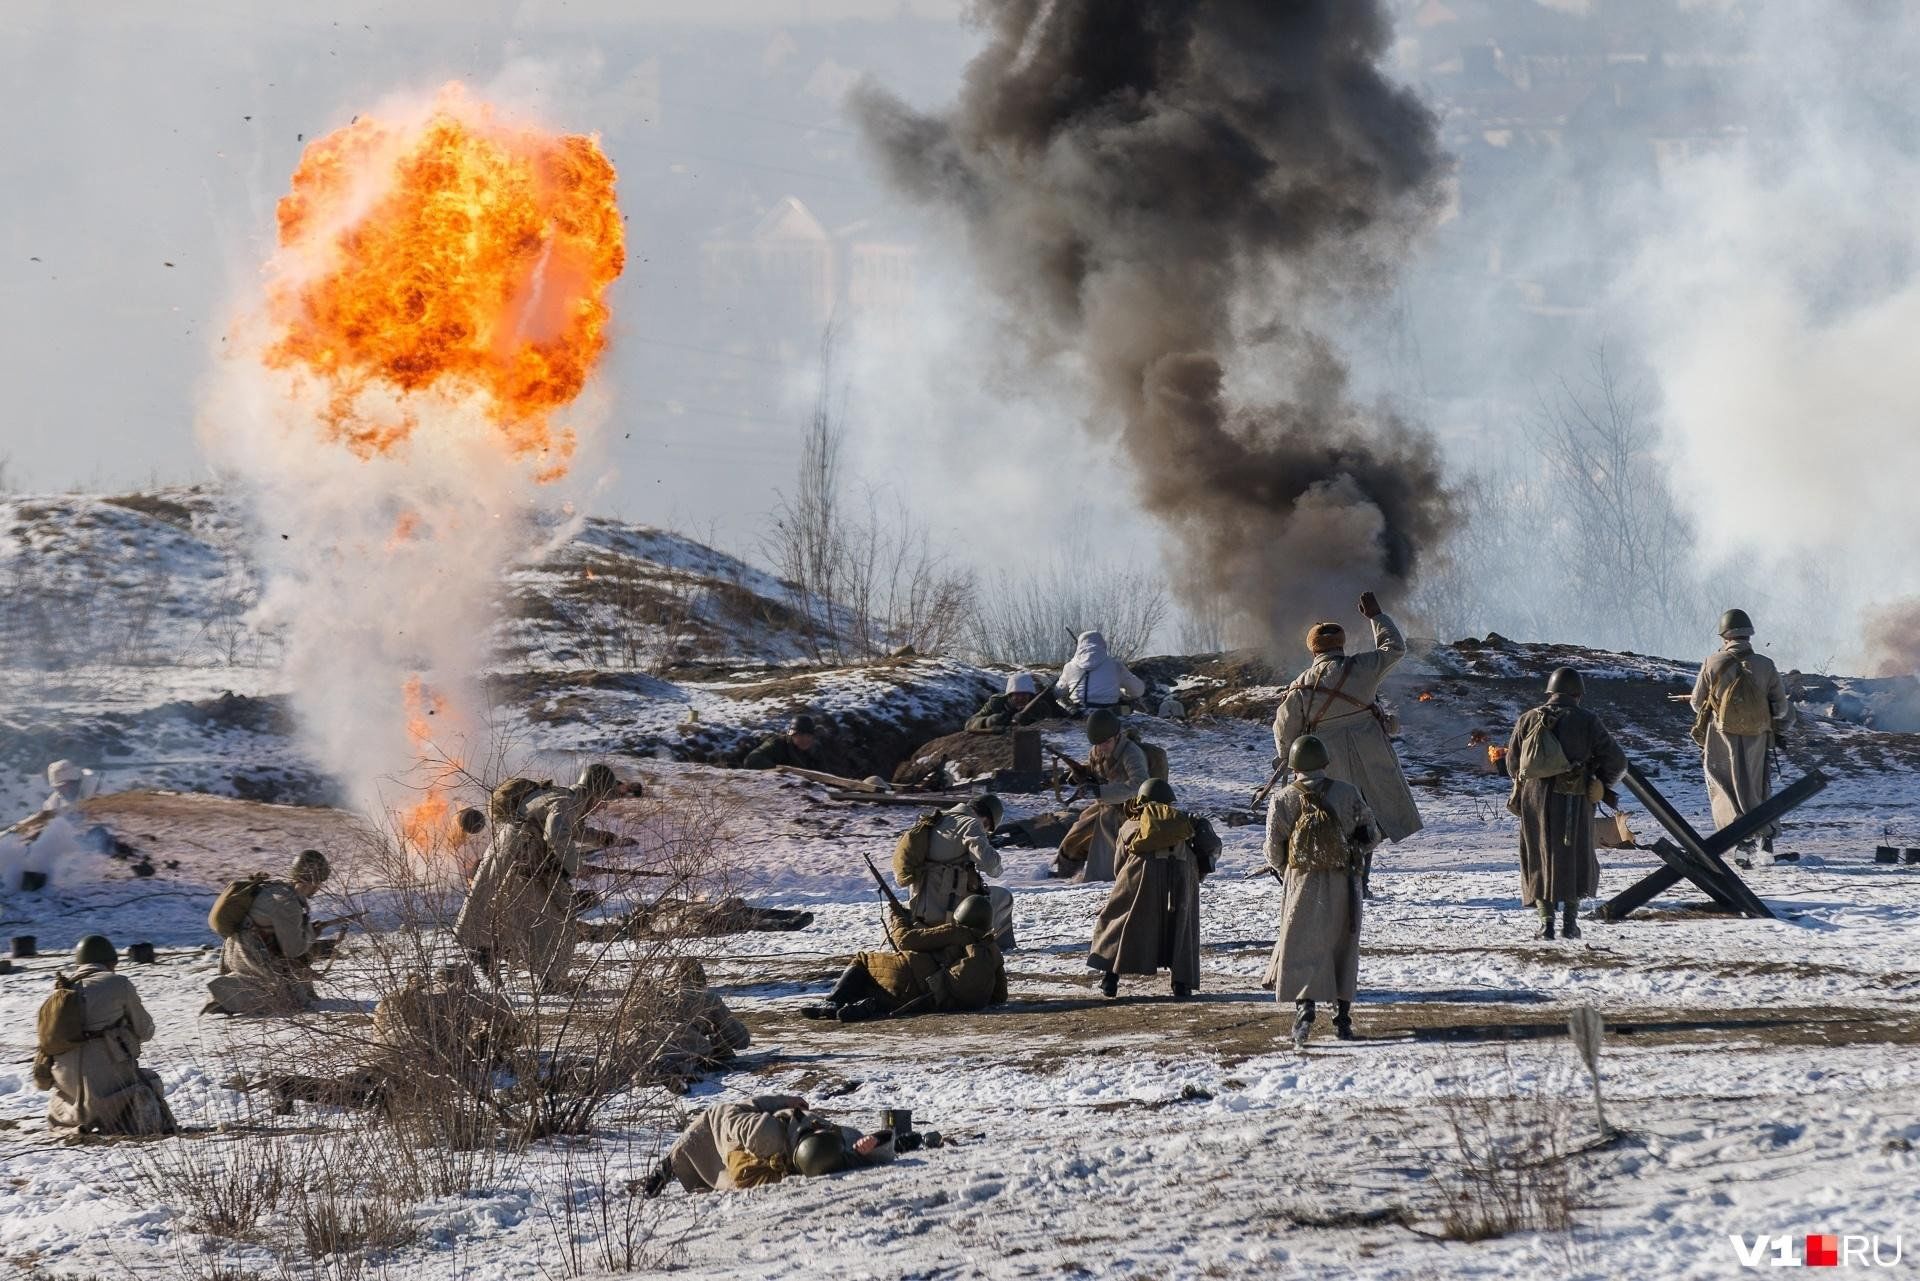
{"points": [[1032, 617]]}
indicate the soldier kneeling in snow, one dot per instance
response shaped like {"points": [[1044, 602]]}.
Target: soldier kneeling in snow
{"points": [[266, 961], [955, 966], [91, 1030], [743, 1145]]}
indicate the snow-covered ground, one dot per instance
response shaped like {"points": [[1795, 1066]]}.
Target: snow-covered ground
{"points": [[1764, 1072]]}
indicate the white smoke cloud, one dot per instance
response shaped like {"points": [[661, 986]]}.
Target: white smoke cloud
{"points": [[1777, 305]]}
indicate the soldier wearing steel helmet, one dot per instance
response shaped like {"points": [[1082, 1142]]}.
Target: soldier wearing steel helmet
{"points": [[520, 907], [742, 1145], [1741, 713], [1151, 920], [929, 968], [1319, 832], [797, 748], [266, 966], [96, 1079], [1558, 866], [960, 855], [1118, 766]]}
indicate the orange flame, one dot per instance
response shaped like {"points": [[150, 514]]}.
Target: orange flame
{"points": [[1426, 696], [459, 255], [1495, 753], [425, 825]]}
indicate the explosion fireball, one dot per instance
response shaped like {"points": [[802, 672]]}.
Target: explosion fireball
{"points": [[437, 301]]}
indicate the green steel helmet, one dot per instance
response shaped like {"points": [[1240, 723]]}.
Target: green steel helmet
{"points": [[1307, 754], [311, 866], [1736, 620], [990, 809], [1155, 791], [974, 913], [822, 1152], [1102, 725], [598, 781], [96, 949], [1566, 681]]}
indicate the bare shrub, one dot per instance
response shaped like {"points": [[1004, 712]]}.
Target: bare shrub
{"points": [[861, 580], [225, 1187], [598, 1222], [1509, 1162], [1034, 617]]}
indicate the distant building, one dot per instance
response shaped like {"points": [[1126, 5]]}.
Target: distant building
{"points": [[775, 281]]}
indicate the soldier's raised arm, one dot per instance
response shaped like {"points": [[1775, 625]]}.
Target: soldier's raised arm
{"points": [[980, 845]]}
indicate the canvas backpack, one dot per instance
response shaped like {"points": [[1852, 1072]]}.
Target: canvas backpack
{"points": [[1160, 828], [1156, 755], [63, 1018], [235, 904], [1316, 843], [911, 850], [1538, 753], [1740, 703], [750, 1170]]}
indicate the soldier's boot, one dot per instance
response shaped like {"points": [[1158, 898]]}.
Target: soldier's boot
{"points": [[819, 1010], [1110, 985], [656, 1181], [851, 986], [864, 1011], [1743, 856], [1181, 991], [1302, 1023], [1570, 920], [1343, 1021], [1546, 921]]}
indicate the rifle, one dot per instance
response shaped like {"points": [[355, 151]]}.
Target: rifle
{"points": [[893, 899], [1080, 773], [597, 869], [332, 921], [1265, 790]]}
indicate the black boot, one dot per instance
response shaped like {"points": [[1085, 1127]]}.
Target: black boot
{"points": [[1343, 1021], [850, 986], [1570, 920], [1110, 985], [1302, 1023], [819, 1010], [864, 1011], [657, 1177], [1181, 991], [1546, 921]]}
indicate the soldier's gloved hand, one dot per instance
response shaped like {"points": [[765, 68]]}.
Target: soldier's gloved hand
{"points": [[1369, 605]]}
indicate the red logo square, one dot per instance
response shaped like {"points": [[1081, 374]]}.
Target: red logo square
{"points": [[1823, 1252]]}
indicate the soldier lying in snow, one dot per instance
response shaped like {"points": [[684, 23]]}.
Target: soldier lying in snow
{"points": [[743, 1145], [955, 966], [90, 1033], [266, 959], [679, 918]]}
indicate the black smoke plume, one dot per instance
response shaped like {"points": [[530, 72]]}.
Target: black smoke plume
{"points": [[1156, 188]]}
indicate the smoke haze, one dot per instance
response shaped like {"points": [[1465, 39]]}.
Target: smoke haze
{"points": [[1162, 194]]}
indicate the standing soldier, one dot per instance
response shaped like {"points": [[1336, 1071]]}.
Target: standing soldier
{"points": [[1120, 766], [1151, 920], [1563, 761], [520, 909], [91, 1030], [266, 962], [794, 749], [959, 854], [1336, 700], [1319, 830], [1740, 711]]}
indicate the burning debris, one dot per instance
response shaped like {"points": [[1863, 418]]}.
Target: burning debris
{"points": [[394, 403], [1162, 192]]}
